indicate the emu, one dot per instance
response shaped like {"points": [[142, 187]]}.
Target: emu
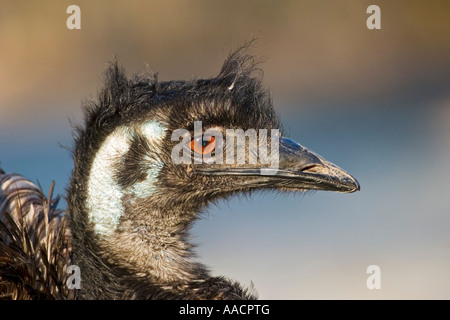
{"points": [[130, 207]]}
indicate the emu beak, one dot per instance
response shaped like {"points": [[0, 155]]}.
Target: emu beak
{"points": [[307, 169], [298, 169]]}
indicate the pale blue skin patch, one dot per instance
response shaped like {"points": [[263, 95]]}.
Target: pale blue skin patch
{"points": [[104, 201], [104, 195], [154, 131]]}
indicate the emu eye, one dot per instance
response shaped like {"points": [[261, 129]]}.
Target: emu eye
{"points": [[203, 145]]}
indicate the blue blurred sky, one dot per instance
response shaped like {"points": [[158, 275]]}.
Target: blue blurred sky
{"points": [[376, 103]]}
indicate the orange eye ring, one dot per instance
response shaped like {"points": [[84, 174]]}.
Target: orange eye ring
{"points": [[203, 146]]}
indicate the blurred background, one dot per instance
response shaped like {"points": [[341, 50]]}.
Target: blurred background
{"points": [[375, 102]]}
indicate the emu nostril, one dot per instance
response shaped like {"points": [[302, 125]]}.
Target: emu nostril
{"points": [[313, 168]]}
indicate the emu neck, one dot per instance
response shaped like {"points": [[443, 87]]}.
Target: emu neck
{"points": [[149, 246], [148, 238], [154, 239]]}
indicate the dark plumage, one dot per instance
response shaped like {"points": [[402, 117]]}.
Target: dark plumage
{"points": [[34, 242], [130, 207]]}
